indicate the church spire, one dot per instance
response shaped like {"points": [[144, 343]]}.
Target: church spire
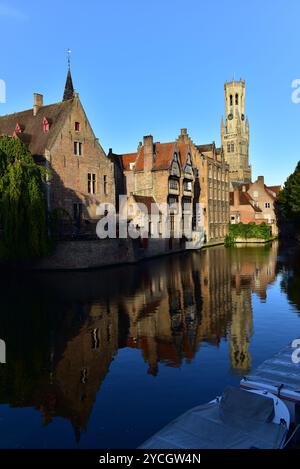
{"points": [[69, 88]]}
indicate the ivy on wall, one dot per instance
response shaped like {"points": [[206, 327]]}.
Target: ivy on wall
{"points": [[23, 212], [247, 231]]}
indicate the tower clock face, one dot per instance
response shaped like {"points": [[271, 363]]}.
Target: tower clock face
{"points": [[230, 116], [243, 117]]}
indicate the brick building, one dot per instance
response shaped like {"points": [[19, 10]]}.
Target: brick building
{"points": [[163, 171], [60, 137], [254, 202], [214, 187]]}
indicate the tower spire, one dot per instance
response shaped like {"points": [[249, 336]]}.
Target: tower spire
{"points": [[69, 88]]}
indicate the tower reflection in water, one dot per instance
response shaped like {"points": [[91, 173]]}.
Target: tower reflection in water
{"points": [[63, 330]]}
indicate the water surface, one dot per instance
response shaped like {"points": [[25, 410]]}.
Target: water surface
{"points": [[103, 359]]}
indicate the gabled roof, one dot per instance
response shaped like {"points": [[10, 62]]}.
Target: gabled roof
{"points": [[273, 190], [209, 150], [244, 199], [33, 135], [208, 147], [127, 159], [163, 156]]}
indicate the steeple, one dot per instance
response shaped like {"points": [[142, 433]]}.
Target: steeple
{"points": [[69, 88]]}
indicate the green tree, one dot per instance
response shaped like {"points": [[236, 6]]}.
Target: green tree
{"points": [[23, 213], [289, 196]]}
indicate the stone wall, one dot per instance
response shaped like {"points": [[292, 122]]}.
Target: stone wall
{"points": [[92, 254], [85, 254]]}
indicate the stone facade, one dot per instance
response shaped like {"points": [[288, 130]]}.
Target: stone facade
{"points": [[155, 170], [235, 132], [84, 180], [60, 137], [167, 173]]}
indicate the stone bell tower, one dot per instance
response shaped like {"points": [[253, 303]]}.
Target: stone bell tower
{"points": [[235, 132]]}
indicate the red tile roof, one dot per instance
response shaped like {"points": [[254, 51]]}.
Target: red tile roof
{"points": [[273, 190], [127, 159], [244, 199], [163, 156], [32, 126]]}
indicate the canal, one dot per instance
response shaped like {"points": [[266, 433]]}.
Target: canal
{"points": [[103, 359]]}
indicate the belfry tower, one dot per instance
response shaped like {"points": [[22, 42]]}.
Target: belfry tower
{"points": [[235, 132]]}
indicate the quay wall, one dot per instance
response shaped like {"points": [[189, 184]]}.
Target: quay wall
{"points": [[92, 254]]}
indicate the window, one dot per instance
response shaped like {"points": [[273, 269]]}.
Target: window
{"points": [[187, 186], [236, 99], [255, 194], [232, 147], [188, 167], [228, 147], [77, 126], [231, 101], [91, 183], [267, 205], [173, 184], [77, 148], [105, 184], [45, 125]]}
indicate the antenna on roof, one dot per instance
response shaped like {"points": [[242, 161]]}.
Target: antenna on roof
{"points": [[69, 57]]}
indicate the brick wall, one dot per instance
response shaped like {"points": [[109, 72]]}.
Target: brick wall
{"points": [[69, 180]]}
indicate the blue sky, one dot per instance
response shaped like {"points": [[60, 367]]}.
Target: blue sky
{"points": [[155, 66]]}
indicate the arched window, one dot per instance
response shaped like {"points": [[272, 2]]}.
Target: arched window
{"points": [[236, 99], [231, 102]]}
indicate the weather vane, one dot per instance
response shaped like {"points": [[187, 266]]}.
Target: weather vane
{"points": [[69, 57]]}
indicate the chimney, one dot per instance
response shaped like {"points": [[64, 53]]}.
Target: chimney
{"points": [[261, 179], [183, 137], [236, 198], [148, 153], [37, 102]]}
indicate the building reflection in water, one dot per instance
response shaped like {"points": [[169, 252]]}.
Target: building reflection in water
{"points": [[70, 326]]}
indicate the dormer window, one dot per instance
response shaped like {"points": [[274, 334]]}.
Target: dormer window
{"points": [[77, 126], [45, 125], [18, 129], [188, 167], [175, 168]]}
